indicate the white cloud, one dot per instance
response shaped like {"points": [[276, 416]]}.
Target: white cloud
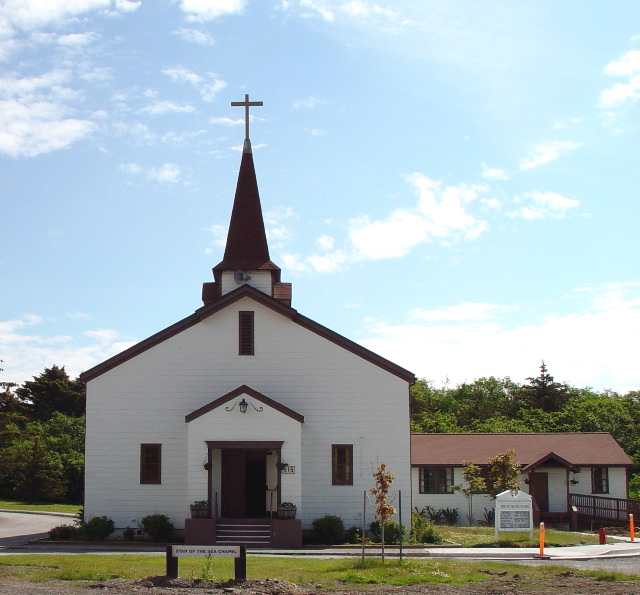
{"points": [[158, 108], [141, 134], [127, 5], [465, 312], [277, 225], [32, 14], [308, 103], [195, 36], [179, 73], [546, 152], [208, 10], [594, 346], [27, 349], [360, 12], [208, 86], [441, 214], [627, 67], [314, 8], [168, 172], [35, 115], [325, 242], [219, 238], [543, 205], [227, 121], [490, 173], [77, 39], [370, 12]]}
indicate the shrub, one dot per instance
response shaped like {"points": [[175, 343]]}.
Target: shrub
{"points": [[450, 515], [435, 516], [353, 535], [129, 534], [157, 526], [328, 529], [423, 530], [391, 531], [489, 517], [98, 528], [64, 533]]}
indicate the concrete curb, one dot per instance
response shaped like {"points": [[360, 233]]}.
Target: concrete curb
{"points": [[40, 512]]}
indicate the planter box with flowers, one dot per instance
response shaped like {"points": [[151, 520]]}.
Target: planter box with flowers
{"points": [[200, 509], [287, 510]]}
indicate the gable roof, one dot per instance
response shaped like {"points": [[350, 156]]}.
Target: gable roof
{"points": [[577, 449], [244, 390], [264, 299]]}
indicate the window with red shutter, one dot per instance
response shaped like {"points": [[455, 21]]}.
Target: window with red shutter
{"points": [[246, 346]]}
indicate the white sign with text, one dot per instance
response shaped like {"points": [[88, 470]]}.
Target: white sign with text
{"points": [[213, 551], [514, 512]]}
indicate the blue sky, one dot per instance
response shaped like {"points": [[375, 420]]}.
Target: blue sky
{"points": [[452, 184]]}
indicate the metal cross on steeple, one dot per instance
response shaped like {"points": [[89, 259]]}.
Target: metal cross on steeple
{"points": [[246, 103]]}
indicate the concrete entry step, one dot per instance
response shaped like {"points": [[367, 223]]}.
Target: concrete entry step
{"points": [[243, 531]]}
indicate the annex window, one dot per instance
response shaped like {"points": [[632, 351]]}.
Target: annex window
{"points": [[245, 333], [150, 463], [436, 480], [600, 480], [342, 464]]}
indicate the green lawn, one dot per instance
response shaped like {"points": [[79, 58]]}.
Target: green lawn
{"points": [[42, 506], [40, 567], [484, 537]]}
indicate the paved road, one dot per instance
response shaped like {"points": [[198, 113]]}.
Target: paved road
{"points": [[628, 565], [18, 528]]}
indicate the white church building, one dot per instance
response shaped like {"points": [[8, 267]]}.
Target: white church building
{"points": [[246, 404]]}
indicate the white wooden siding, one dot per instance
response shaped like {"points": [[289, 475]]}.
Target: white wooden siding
{"points": [[220, 424], [261, 280], [557, 491], [344, 398]]}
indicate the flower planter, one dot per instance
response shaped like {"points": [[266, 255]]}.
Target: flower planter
{"points": [[286, 513], [200, 513]]}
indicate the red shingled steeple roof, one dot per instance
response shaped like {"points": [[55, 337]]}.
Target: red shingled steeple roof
{"points": [[246, 247]]}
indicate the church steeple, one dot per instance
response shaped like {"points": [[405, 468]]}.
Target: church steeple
{"points": [[246, 239], [246, 256]]}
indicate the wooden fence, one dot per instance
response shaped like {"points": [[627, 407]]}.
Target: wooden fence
{"points": [[601, 508]]}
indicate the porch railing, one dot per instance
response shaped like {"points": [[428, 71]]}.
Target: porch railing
{"points": [[601, 507]]}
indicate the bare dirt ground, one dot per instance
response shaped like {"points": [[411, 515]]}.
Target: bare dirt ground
{"points": [[504, 583]]}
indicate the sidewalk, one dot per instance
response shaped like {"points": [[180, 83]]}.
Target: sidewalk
{"points": [[580, 552]]}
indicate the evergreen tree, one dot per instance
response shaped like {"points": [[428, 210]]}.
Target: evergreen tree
{"points": [[544, 393], [52, 391]]}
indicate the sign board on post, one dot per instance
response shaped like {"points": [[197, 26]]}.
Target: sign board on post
{"points": [[239, 552], [514, 512], [212, 551]]}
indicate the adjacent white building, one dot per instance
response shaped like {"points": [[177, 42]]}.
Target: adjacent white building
{"points": [[588, 470], [245, 403]]}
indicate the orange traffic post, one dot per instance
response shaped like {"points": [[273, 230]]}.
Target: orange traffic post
{"points": [[541, 539], [632, 528]]}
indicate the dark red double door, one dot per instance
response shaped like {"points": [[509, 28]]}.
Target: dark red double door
{"points": [[244, 483]]}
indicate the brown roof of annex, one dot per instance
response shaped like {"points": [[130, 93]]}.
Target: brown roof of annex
{"points": [[579, 449]]}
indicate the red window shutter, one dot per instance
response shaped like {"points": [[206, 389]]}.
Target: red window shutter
{"points": [[245, 327]]}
